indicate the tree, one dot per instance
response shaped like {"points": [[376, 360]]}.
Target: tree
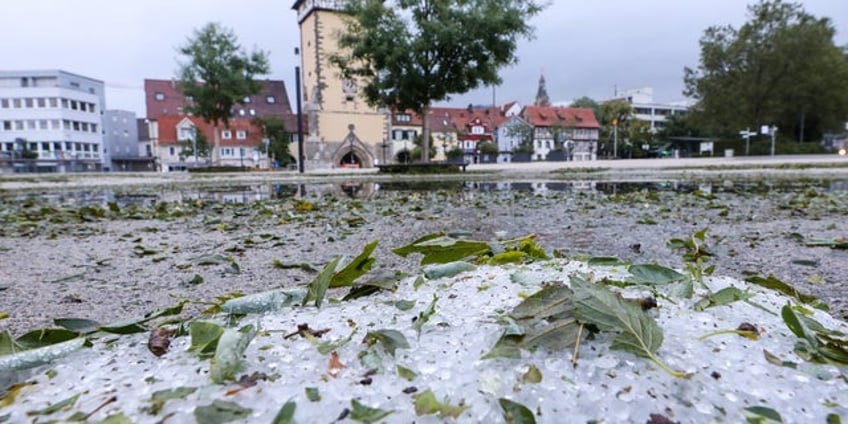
{"points": [[217, 74], [187, 146], [779, 68], [615, 118], [586, 102], [523, 132], [409, 53], [274, 130]]}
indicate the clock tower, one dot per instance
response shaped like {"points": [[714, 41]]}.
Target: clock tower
{"points": [[343, 130]]}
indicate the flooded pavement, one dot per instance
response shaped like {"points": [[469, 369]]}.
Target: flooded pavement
{"points": [[111, 253]]}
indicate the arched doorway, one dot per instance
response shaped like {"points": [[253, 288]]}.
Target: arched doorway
{"points": [[350, 160], [352, 153], [403, 156]]}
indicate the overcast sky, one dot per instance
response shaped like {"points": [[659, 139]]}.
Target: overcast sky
{"points": [[583, 47]]}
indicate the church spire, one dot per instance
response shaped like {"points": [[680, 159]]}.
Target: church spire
{"points": [[542, 98]]}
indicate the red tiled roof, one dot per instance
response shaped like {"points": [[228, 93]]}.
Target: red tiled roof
{"points": [[171, 101], [168, 131], [545, 116], [444, 119]]}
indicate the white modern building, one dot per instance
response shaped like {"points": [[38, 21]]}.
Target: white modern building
{"points": [[50, 121], [650, 111]]}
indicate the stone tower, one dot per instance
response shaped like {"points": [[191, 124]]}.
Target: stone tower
{"points": [[343, 130], [542, 98]]}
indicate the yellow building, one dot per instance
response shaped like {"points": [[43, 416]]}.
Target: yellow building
{"points": [[342, 130]]}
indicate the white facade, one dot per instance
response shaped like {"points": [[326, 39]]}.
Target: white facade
{"points": [[654, 113], [56, 114]]}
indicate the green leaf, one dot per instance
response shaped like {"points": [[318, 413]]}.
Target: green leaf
{"points": [[160, 397], [510, 257], [606, 261], [286, 414], [406, 373], [403, 305], [8, 345], [533, 375], [313, 394], [390, 339], [78, 325], [426, 404], [39, 356], [638, 333], [365, 414], [56, 407], [328, 347], [425, 315], [652, 274], [833, 419], [220, 411], [228, 354], [516, 413], [772, 283], [761, 415], [438, 248], [356, 268], [261, 302], [118, 418], [543, 320], [204, 338], [446, 270], [45, 337], [724, 296], [318, 287], [382, 280]]}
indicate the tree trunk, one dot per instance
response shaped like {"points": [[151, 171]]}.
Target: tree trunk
{"points": [[216, 150], [425, 133]]}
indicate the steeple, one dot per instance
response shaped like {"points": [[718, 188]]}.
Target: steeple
{"points": [[542, 95]]}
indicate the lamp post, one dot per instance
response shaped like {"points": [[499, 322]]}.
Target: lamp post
{"points": [[300, 156], [615, 138]]}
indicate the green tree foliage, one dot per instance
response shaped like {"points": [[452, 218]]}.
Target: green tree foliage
{"points": [[523, 132], [187, 146], [274, 129], [410, 53], [611, 114], [487, 148], [216, 74], [586, 102], [780, 68]]}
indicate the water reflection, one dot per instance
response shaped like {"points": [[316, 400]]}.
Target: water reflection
{"points": [[364, 190]]}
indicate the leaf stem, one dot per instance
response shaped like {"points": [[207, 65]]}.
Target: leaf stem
{"points": [[745, 333]]}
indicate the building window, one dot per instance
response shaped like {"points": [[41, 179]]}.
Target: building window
{"points": [[226, 134], [28, 102], [42, 124], [403, 117], [7, 125], [159, 96], [246, 100], [75, 84], [94, 128], [16, 103], [270, 100], [241, 112], [252, 112], [4, 103], [64, 103], [54, 102], [477, 130], [31, 124], [41, 102], [91, 107], [241, 134], [74, 105], [171, 151]]}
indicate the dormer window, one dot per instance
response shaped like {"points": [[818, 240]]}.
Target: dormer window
{"points": [[403, 117], [246, 100], [241, 134], [159, 96], [478, 130], [186, 132], [270, 100], [226, 134]]}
